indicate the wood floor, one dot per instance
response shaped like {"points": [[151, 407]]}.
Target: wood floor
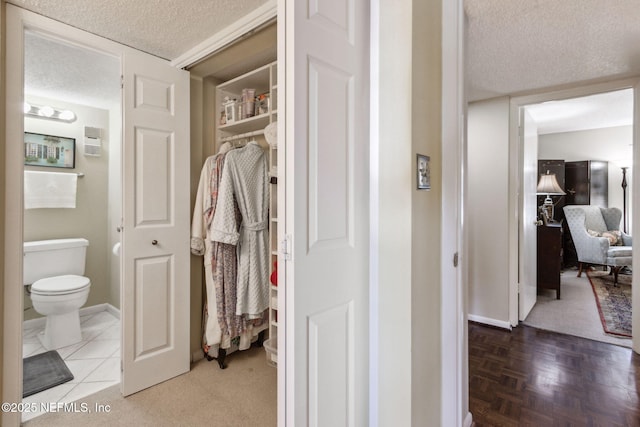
{"points": [[532, 377]]}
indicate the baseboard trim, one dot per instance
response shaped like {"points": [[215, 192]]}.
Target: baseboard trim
{"points": [[488, 321], [40, 322], [197, 355], [111, 309]]}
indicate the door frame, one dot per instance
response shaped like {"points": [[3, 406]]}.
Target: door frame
{"points": [[527, 250], [516, 170], [18, 21], [454, 307]]}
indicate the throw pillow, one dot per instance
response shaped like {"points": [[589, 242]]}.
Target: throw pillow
{"points": [[614, 236], [594, 233]]}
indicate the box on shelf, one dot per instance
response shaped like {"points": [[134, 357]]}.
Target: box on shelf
{"points": [[271, 346]]}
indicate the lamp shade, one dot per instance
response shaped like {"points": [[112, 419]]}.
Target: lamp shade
{"points": [[548, 184]]}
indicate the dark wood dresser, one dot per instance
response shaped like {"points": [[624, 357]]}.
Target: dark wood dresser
{"points": [[549, 256]]}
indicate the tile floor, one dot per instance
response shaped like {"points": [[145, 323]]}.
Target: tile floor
{"points": [[94, 362]]}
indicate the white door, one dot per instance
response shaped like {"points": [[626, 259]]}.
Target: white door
{"points": [[326, 57], [528, 228], [155, 239]]}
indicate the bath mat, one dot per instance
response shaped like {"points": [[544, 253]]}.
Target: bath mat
{"points": [[614, 302], [43, 371]]}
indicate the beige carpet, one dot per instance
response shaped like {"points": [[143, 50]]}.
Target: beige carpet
{"points": [[244, 394], [575, 313]]}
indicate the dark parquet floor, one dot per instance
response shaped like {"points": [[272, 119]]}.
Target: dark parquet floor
{"points": [[531, 377]]}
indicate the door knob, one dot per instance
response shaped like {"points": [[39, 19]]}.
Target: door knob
{"points": [[154, 242]]}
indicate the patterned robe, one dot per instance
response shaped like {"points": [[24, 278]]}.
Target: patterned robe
{"points": [[245, 178], [220, 324]]}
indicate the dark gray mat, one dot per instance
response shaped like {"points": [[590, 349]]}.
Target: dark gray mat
{"points": [[43, 371]]}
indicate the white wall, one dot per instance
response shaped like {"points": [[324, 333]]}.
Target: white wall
{"points": [[405, 265], [610, 144], [393, 160], [487, 204], [114, 215], [426, 213]]}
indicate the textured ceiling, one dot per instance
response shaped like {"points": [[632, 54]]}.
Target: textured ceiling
{"points": [[60, 71], [527, 46], [516, 46], [165, 28], [513, 46]]}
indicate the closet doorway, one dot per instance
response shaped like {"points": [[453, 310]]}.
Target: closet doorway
{"points": [[234, 103]]}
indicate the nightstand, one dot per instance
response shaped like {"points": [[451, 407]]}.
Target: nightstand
{"points": [[549, 256]]}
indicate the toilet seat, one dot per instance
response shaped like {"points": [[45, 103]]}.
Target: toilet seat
{"points": [[60, 285]]}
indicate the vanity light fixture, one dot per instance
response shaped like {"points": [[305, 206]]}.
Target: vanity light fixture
{"points": [[47, 112]]}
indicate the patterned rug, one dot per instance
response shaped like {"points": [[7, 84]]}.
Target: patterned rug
{"points": [[614, 302]]}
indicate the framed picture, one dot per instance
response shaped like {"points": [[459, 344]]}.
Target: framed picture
{"points": [[423, 175], [230, 112], [49, 150]]}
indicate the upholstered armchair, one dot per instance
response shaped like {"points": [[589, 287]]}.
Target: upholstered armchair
{"points": [[596, 234]]}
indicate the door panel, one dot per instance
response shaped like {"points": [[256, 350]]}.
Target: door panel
{"points": [[331, 224], [327, 175], [153, 182], [155, 240]]}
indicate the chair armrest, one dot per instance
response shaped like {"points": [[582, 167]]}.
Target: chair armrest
{"points": [[626, 239], [591, 249]]}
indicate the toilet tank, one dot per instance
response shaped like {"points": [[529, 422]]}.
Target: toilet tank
{"points": [[48, 258]]}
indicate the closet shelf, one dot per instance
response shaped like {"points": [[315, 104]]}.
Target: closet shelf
{"points": [[257, 79], [245, 125], [263, 80], [242, 136]]}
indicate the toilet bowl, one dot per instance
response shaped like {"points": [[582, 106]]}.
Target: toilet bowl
{"points": [[59, 298], [54, 270]]}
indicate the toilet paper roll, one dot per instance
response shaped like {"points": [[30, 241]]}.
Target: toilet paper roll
{"points": [[116, 249]]}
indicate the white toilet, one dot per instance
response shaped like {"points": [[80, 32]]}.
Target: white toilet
{"points": [[54, 269]]}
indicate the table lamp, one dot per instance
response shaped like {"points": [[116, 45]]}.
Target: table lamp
{"points": [[548, 185]]}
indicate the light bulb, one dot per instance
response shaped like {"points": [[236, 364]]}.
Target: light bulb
{"points": [[46, 111], [67, 115]]}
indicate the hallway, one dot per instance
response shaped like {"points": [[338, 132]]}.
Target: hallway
{"points": [[539, 378]]}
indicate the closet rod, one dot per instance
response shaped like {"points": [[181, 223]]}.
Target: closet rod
{"points": [[242, 135]]}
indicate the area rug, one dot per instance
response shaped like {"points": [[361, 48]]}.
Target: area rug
{"points": [[614, 302], [43, 371]]}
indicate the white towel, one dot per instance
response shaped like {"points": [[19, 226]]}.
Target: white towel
{"points": [[49, 190]]}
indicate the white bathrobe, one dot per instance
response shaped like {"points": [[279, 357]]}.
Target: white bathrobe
{"points": [[245, 177], [201, 245]]}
